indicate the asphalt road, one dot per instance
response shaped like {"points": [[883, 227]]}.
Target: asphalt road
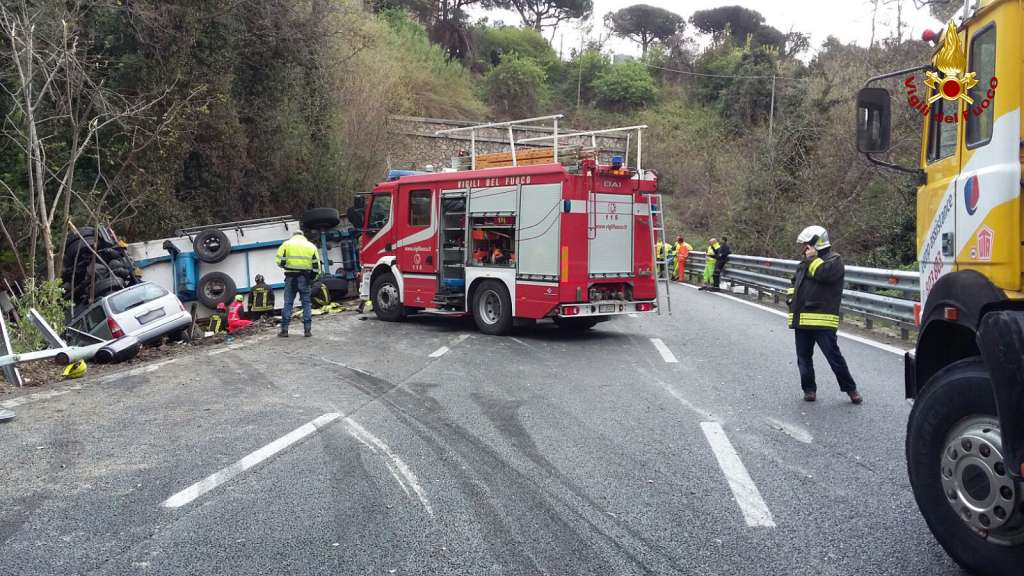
{"points": [[428, 448]]}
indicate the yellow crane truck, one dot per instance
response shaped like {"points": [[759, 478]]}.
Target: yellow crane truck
{"points": [[965, 435]]}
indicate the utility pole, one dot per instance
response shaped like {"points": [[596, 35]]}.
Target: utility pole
{"points": [[579, 79], [771, 122]]}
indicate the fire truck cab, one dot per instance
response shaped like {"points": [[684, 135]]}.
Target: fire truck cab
{"points": [[569, 240]]}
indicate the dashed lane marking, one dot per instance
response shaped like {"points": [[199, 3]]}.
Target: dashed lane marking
{"points": [[848, 336], [445, 349], [666, 354], [744, 491], [797, 433], [252, 459]]}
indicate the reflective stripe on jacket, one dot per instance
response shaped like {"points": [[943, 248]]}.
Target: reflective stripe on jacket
{"points": [[299, 255], [261, 299], [817, 293]]}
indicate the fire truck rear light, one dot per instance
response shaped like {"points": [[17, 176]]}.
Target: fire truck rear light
{"points": [[115, 330], [951, 314], [644, 307], [570, 310]]}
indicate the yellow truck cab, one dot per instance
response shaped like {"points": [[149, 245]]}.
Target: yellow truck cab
{"points": [[965, 436]]}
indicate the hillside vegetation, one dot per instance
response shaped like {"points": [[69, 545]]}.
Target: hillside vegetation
{"points": [[155, 114]]}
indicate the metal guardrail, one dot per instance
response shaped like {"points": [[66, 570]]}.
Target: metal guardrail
{"points": [[874, 293]]}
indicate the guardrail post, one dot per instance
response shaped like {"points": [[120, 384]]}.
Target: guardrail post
{"points": [[868, 322], [904, 333]]}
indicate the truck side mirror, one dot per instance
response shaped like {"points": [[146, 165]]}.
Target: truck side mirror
{"points": [[874, 120]]}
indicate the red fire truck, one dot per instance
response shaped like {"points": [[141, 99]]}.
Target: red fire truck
{"points": [[571, 240]]}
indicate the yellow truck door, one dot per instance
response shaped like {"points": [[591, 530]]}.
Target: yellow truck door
{"points": [[988, 209]]}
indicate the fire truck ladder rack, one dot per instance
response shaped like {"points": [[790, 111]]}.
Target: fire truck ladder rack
{"points": [[511, 135], [661, 261]]}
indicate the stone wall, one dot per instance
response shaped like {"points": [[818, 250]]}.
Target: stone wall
{"points": [[413, 144]]}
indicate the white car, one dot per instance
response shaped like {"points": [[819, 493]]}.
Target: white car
{"points": [[146, 311]]}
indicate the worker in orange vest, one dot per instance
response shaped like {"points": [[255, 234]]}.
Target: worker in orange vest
{"points": [[682, 253]]}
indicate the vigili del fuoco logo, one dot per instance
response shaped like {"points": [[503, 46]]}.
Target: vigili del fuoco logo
{"points": [[954, 83]]}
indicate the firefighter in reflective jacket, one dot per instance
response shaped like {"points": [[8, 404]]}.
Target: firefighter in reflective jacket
{"points": [[814, 302], [261, 298], [301, 262]]}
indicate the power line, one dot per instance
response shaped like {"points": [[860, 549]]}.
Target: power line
{"points": [[702, 74]]}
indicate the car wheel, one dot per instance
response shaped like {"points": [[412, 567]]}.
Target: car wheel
{"points": [[959, 478], [387, 299], [215, 288], [492, 308], [211, 246]]}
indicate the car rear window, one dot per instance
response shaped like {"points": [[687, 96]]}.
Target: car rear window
{"points": [[132, 297]]}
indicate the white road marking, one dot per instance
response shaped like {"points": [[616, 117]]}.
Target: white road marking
{"points": [[755, 511], [36, 396], [675, 394], [798, 433], [848, 336], [445, 349], [226, 349], [399, 469], [666, 354], [227, 473], [136, 371], [631, 315]]}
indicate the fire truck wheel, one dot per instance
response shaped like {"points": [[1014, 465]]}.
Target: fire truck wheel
{"points": [[576, 324], [959, 478], [492, 308], [211, 246], [387, 300]]}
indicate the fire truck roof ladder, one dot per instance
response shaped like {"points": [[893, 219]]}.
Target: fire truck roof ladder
{"points": [[555, 137], [661, 260], [511, 135]]}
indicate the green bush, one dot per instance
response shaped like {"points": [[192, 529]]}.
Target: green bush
{"points": [[625, 86], [517, 87], [46, 297], [495, 43]]}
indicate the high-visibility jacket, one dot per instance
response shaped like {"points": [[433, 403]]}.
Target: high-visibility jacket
{"points": [[682, 253], [235, 321], [261, 298], [659, 250], [298, 255], [817, 293]]}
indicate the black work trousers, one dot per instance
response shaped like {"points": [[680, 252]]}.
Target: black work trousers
{"points": [[719, 265], [828, 342]]}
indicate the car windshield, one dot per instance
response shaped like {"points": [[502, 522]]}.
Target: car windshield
{"points": [[135, 296]]}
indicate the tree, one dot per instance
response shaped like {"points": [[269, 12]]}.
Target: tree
{"points": [[644, 24], [61, 115], [625, 86], [540, 14], [491, 43], [735, 22], [517, 87]]}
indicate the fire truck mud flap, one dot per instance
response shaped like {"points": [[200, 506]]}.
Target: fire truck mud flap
{"points": [[1001, 340]]}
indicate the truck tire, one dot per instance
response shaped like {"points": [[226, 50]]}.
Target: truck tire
{"points": [[387, 299], [954, 459], [214, 288], [576, 324], [320, 218], [492, 308], [211, 246]]}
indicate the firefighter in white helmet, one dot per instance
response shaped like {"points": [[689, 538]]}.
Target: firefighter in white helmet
{"points": [[814, 302]]}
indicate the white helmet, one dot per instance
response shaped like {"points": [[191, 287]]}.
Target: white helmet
{"points": [[816, 235]]}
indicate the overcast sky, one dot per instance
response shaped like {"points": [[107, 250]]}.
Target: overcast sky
{"points": [[848, 20]]}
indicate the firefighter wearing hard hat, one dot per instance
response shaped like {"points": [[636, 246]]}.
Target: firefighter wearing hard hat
{"points": [[301, 262], [814, 301], [261, 298]]}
